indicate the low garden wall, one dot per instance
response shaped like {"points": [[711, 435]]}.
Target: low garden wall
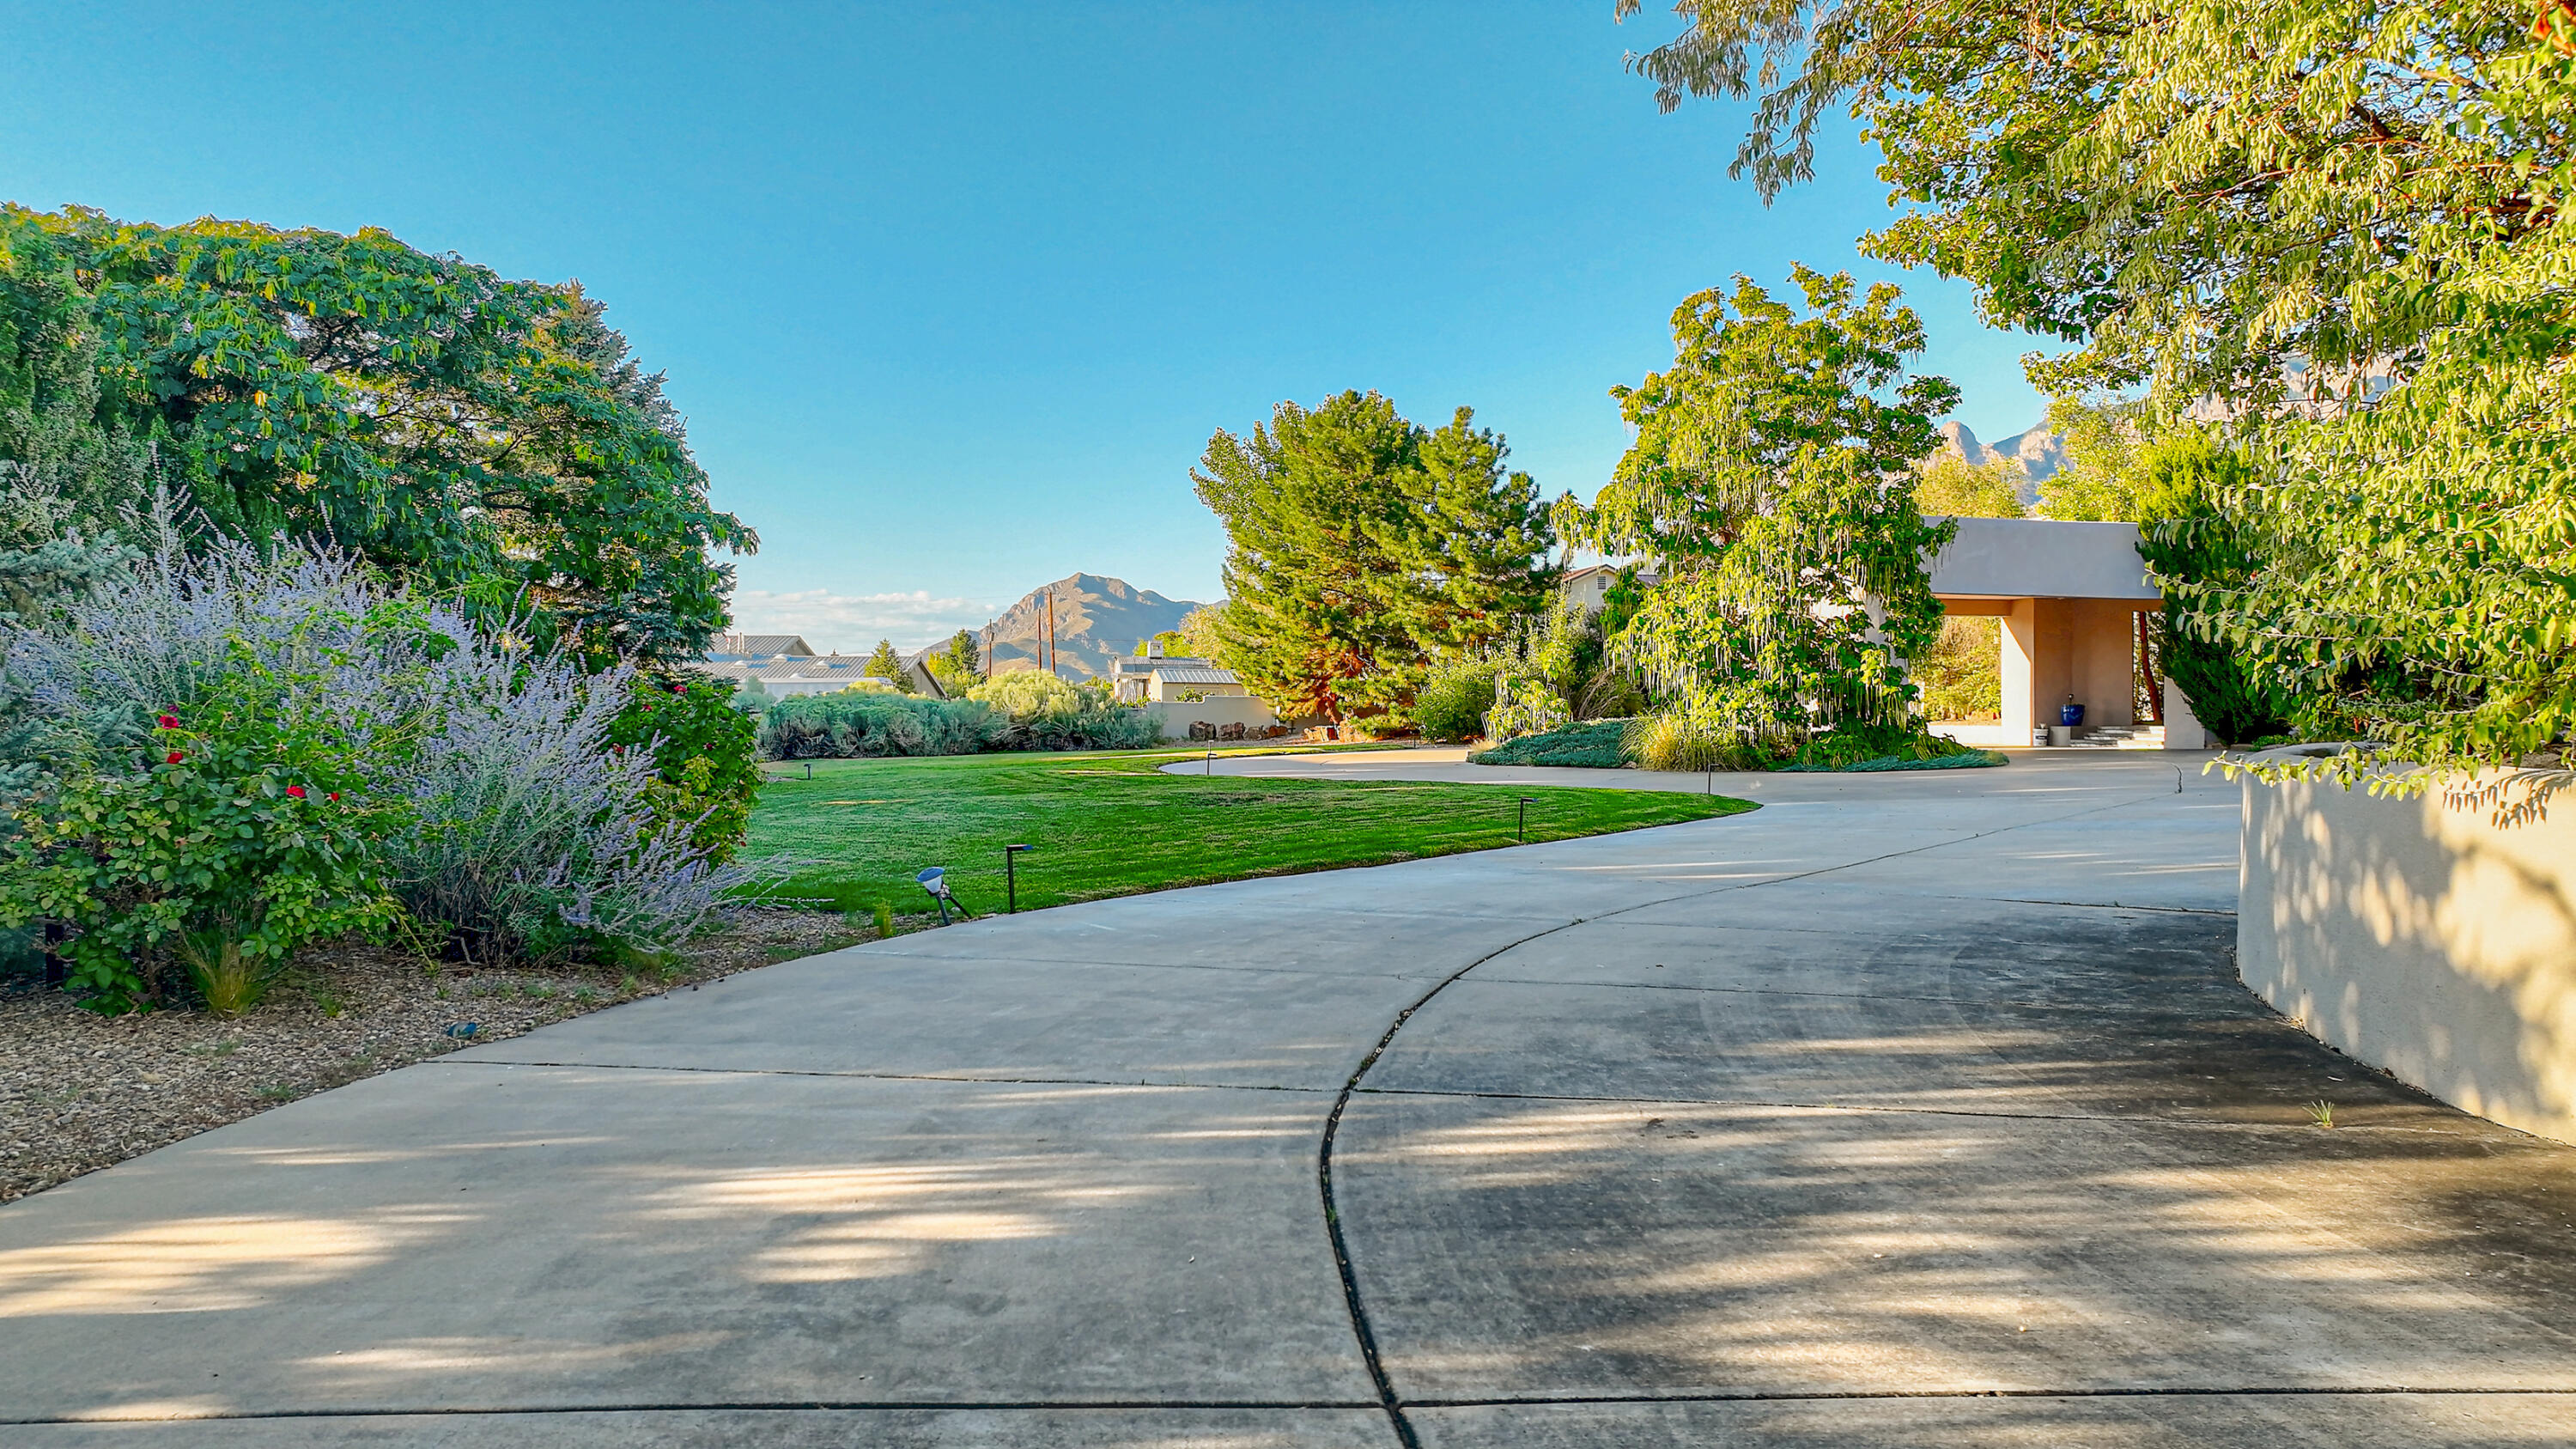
{"points": [[1176, 716], [2434, 937]]}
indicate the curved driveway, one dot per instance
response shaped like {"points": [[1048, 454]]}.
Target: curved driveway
{"points": [[1916, 1109]]}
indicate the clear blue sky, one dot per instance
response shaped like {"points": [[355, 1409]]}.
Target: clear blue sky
{"points": [[952, 295]]}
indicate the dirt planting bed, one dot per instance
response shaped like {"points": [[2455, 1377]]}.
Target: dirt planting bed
{"points": [[79, 1091]]}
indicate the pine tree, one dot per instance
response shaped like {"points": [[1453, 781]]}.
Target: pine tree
{"points": [[1360, 545], [887, 665]]}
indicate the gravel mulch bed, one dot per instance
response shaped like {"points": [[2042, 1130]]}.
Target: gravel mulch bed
{"points": [[79, 1091]]}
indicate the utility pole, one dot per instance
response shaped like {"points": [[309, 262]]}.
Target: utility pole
{"points": [[1050, 631]]}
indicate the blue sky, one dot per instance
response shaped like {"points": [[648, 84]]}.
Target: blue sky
{"points": [[952, 295]]}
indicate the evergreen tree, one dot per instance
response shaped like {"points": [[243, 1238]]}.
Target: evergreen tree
{"points": [[960, 666], [887, 665], [1360, 545]]}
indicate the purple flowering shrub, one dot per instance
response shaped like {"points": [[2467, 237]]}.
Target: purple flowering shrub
{"points": [[478, 788]]}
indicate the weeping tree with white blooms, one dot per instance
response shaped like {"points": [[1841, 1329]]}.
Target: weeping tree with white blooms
{"points": [[1770, 489]]}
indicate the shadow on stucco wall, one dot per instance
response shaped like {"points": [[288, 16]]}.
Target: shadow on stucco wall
{"points": [[2434, 936]]}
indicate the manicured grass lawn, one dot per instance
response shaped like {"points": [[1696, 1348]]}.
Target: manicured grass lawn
{"points": [[1112, 824]]}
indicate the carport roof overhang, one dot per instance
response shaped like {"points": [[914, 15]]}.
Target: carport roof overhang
{"points": [[1995, 561]]}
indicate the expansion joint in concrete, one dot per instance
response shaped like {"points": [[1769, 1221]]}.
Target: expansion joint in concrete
{"points": [[1393, 1403]]}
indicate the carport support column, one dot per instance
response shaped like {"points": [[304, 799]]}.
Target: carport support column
{"points": [[2019, 641]]}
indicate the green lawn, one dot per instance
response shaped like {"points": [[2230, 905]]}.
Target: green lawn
{"points": [[1112, 824]]}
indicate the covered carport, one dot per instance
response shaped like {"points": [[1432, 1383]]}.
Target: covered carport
{"points": [[2073, 599]]}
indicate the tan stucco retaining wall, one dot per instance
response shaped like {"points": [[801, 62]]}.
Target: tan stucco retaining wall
{"points": [[2423, 937]]}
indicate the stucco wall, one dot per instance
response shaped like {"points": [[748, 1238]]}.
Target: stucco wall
{"points": [[2424, 937], [1176, 716]]}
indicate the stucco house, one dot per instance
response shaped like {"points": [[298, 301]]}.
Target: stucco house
{"points": [[2073, 599]]}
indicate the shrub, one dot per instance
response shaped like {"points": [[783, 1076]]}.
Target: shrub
{"points": [[499, 815], [870, 723], [706, 758], [1524, 704], [1454, 700], [1593, 744], [240, 832], [1855, 745], [1045, 713], [534, 831]]}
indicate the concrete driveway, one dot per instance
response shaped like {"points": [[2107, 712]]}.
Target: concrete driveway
{"points": [[1916, 1109]]}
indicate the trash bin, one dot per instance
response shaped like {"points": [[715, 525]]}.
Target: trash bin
{"points": [[2061, 735]]}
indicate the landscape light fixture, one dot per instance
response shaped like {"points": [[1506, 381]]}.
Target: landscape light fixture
{"points": [[935, 880], [1011, 875], [1525, 805]]}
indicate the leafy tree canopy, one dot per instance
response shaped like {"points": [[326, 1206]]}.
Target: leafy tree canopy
{"points": [[1771, 488], [1951, 486], [1360, 545], [450, 426], [2329, 227]]}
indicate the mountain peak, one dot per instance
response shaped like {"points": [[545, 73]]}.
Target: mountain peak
{"points": [[1097, 618]]}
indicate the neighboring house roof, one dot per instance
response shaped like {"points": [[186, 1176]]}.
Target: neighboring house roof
{"points": [[757, 646], [808, 667], [1191, 671]]}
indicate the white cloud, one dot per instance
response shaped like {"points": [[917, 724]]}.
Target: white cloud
{"points": [[853, 623]]}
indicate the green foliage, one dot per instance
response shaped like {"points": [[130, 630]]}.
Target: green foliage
{"points": [[1771, 487], [240, 832], [706, 758], [1875, 746], [887, 665], [960, 666], [451, 427], [1454, 699], [1950, 486], [2104, 480], [1961, 675], [1671, 740], [2333, 224], [1592, 744], [2190, 547], [1172, 641], [868, 723], [1361, 546], [1042, 712]]}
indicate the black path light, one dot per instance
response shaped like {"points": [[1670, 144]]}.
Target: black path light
{"points": [[1011, 875], [935, 880], [1525, 805]]}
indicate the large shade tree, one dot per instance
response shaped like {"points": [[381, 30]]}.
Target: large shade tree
{"points": [[452, 426], [1362, 546], [2330, 226], [1770, 490]]}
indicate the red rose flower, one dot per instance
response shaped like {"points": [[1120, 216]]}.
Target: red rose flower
{"points": [[335, 795], [169, 721], [295, 790], [176, 757]]}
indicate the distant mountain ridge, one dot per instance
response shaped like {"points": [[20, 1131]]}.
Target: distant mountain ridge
{"points": [[1097, 619], [2040, 452]]}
